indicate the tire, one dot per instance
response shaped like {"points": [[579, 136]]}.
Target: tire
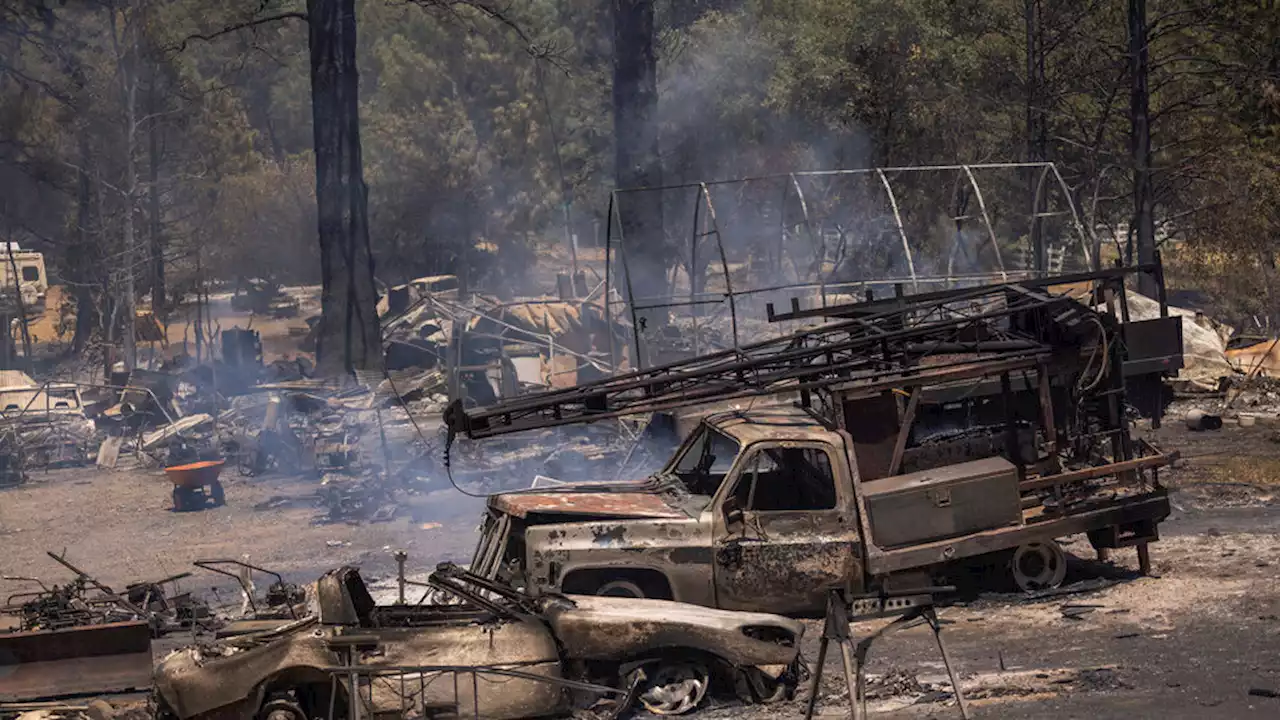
{"points": [[620, 588], [753, 686], [179, 500], [618, 582], [674, 687], [281, 709], [1038, 566]]}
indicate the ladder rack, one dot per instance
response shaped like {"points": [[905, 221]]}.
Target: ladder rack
{"points": [[900, 337]]}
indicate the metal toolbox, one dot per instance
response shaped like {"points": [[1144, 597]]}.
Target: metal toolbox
{"points": [[943, 502]]}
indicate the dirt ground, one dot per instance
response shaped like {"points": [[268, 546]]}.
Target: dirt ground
{"points": [[1190, 642], [120, 527]]}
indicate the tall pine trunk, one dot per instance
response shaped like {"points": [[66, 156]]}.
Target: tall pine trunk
{"points": [[349, 337], [153, 202], [124, 39], [637, 162], [1143, 229], [80, 259], [1037, 127]]}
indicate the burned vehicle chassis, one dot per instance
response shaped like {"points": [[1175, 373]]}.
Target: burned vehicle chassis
{"points": [[953, 428], [513, 655]]}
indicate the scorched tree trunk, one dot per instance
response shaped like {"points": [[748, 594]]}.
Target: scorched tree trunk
{"points": [[349, 337], [637, 160]]}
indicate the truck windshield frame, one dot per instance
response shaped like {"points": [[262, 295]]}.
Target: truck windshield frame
{"points": [[704, 461]]}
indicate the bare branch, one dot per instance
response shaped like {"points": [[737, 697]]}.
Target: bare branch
{"points": [[490, 10], [241, 26]]}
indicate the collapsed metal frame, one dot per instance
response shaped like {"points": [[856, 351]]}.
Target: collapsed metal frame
{"points": [[422, 677], [711, 227], [877, 339], [495, 598], [245, 583], [454, 312]]}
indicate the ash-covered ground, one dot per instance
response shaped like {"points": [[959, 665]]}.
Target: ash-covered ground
{"points": [[1190, 642]]}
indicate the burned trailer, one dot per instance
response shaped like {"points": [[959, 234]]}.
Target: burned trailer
{"points": [[931, 433]]}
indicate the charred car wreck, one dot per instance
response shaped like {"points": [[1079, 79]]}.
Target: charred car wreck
{"points": [[500, 653], [927, 437]]}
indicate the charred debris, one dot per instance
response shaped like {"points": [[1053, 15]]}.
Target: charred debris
{"points": [[369, 441], [76, 636], [489, 650]]}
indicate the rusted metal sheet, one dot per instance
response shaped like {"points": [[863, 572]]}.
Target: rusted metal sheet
{"points": [[1260, 358], [771, 423], [1143, 463], [873, 423], [622, 505], [75, 661]]}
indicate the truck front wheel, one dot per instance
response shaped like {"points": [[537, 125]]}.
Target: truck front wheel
{"points": [[620, 588], [618, 583]]}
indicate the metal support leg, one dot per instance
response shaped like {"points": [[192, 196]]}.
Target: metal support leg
{"points": [[932, 617], [852, 668], [353, 686], [860, 657], [816, 681], [854, 657], [1144, 559], [836, 627]]}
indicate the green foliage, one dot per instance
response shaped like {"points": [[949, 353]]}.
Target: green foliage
{"points": [[466, 134]]}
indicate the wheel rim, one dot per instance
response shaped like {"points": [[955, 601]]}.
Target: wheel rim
{"points": [[620, 588], [765, 689], [281, 709], [675, 688], [1038, 566]]}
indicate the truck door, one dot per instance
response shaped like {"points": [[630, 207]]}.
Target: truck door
{"points": [[784, 534]]}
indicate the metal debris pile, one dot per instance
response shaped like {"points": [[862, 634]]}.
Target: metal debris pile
{"points": [[41, 426], [83, 637], [84, 601], [97, 709], [489, 348]]}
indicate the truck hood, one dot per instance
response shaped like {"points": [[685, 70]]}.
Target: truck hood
{"points": [[586, 504]]}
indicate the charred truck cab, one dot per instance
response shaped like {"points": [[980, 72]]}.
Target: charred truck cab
{"points": [[943, 434], [752, 511]]}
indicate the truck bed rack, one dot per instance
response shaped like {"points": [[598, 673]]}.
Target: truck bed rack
{"points": [[989, 328]]}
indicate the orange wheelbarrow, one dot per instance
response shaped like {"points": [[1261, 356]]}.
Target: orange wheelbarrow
{"points": [[196, 485]]}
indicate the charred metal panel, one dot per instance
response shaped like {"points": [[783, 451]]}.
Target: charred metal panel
{"points": [[343, 598], [1153, 346], [1152, 507], [786, 562], [945, 502], [198, 684], [75, 661], [679, 550], [1154, 351], [873, 424]]}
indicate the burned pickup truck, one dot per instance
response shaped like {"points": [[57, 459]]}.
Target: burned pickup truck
{"points": [[947, 434]]}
